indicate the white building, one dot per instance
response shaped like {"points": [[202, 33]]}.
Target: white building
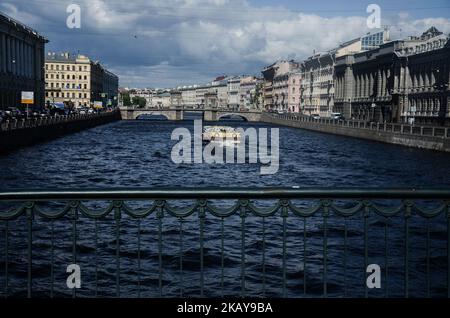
{"points": [[233, 86], [247, 92], [161, 100], [188, 96], [200, 92], [220, 87], [143, 93]]}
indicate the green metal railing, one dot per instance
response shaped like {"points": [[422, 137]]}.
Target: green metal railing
{"points": [[365, 203]]}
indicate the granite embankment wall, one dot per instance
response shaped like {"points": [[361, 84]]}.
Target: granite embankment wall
{"points": [[433, 138], [21, 133]]}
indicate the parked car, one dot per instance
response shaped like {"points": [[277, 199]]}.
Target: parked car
{"points": [[14, 112], [336, 116], [315, 116]]}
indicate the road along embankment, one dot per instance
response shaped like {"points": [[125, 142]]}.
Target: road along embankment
{"points": [[20, 133]]}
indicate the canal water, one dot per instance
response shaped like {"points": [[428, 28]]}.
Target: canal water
{"points": [[138, 154]]}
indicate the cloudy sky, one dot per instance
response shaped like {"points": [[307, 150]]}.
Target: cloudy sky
{"points": [[165, 43]]}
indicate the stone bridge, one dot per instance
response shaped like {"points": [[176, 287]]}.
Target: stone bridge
{"points": [[212, 114]]}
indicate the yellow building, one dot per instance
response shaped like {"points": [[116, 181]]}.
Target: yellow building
{"points": [[79, 80]]}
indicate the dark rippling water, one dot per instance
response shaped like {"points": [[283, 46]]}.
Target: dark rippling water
{"points": [[137, 154]]}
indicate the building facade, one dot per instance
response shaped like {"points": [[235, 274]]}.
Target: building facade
{"points": [[247, 92], [78, 80], [233, 86], [147, 94], [317, 73], [110, 88], [317, 89], [22, 52], [401, 81], [162, 99], [188, 96], [200, 92], [276, 81], [294, 92]]}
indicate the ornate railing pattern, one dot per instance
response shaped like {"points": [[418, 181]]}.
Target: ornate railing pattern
{"points": [[326, 204]]}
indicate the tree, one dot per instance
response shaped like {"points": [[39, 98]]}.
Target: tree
{"points": [[139, 101], [142, 102], [255, 98], [126, 99], [135, 100]]}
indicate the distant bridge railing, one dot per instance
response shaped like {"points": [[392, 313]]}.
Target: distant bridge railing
{"points": [[189, 108], [311, 235]]}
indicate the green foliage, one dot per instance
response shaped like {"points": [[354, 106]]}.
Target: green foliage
{"points": [[126, 99], [139, 101]]}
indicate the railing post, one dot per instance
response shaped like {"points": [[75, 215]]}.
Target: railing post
{"points": [[325, 215], [74, 212], [366, 240], [159, 216], [30, 216], [201, 216], [284, 215], [243, 213], [448, 249], [117, 217], [406, 264]]}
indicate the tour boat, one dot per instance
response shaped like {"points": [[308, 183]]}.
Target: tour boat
{"points": [[223, 135]]}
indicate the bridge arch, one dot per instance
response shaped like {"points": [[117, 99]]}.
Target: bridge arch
{"points": [[151, 113], [244, 116]]}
